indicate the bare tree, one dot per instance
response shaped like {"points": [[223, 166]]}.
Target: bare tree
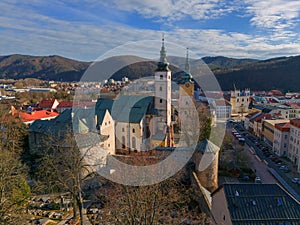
{"points": [[168, 202], [63, 168]]}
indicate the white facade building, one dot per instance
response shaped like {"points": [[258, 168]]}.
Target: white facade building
{"points": [[281, 139], [294, 143]]}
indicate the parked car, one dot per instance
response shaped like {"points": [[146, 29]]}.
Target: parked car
{"points": [[257, 180], [296, 180], [283, 167]]}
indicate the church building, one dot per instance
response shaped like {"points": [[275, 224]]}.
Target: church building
{"points": [[142, 123]]}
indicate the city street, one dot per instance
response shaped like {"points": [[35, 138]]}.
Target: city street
{"points": [[262, 164]]}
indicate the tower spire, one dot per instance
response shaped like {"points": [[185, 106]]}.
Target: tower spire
{"points": [[163, 53], [163, 63], [187, 63]]}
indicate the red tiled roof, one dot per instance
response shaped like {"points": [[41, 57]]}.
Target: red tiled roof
{"points": [[65, 104], [36, 115], [285, 127], [295, 122], [263, 116], [47, 103]]}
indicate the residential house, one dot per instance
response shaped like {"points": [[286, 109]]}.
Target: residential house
{"points": [[257, 123], [48, 104], [248, 121], [268, 127], [31, 116], [294, 143], [281, 139]]}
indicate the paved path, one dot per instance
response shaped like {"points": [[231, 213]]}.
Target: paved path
{"points": [[260, 167]]}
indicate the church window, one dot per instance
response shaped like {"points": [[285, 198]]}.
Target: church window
{"points": [[160, 100], [186, 103], [123, 142], [105, 123], [133, 142], [161, 77], [133, 130], [160, 88], [108, 145], [123, 129]]}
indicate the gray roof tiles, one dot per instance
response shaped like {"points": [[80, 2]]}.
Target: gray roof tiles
{"points": [[261, 204]]}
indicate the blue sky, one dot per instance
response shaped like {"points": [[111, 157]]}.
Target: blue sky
{"points": [[86, 29]]}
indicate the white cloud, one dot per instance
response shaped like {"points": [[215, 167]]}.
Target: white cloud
{"points": [[30, 32], [174, 10], [274, 14]]}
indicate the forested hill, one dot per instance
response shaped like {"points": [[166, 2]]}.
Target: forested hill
{"points": [[278, 73]]}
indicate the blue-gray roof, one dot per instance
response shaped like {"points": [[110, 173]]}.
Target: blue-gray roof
{"points": [[78, 121], [256, 204], [127, 108]]}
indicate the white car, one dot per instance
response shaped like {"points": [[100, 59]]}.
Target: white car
{"points": [[257, 180], [296, 180]]}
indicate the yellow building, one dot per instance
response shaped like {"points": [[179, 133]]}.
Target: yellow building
{"points": [[268, 129]]}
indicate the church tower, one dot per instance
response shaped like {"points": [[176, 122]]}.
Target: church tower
{"points": [[186, 93], [162, 102]]}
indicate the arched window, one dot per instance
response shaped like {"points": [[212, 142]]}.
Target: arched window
{"points": [[160, 88], [161, 77], [133, 130], [133, 142]]}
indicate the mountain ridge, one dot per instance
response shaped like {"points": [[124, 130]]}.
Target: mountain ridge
{"points": [[281, 73]]}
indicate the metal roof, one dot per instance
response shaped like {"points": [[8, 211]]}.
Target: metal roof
{"points": [[261, 204], [127, 108]]}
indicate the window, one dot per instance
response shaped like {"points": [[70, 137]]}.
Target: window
{"points": [[160, 88], [133, 142], [105, 123], [123, 142], [108, 145], [108, 122], [133, 130], [161, 77], [160, 100], [123, 129]]}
